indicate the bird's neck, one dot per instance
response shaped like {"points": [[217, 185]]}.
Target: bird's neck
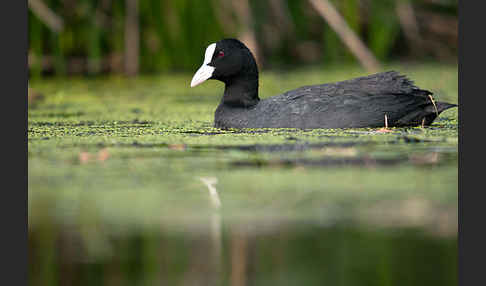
{"points": [[241, 92]]}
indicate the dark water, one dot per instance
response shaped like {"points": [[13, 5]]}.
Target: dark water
{"points": [[303, 254]]}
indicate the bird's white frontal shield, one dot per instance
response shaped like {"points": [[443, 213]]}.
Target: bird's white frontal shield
{"points": [[205, 71]]}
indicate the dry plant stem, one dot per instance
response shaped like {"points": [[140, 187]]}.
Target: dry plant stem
{"points": [[247, 36], [224, 12], [53, 21], [132, 37], [350, 39], [282, 15], [408, 22], [435, 106], [384, 129]]}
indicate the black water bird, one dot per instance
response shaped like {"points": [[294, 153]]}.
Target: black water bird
{"points": [[378, 100]]}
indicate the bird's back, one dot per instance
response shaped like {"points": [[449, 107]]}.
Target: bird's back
{"points": [[354, 103]]}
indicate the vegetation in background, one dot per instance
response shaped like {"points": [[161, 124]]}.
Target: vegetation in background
{"points": [[173, 34]]}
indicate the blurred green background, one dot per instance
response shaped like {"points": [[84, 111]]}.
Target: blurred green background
{"points": [[149, 36], [119, 148]]}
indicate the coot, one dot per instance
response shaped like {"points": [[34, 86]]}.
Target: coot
{"points": [[386, 98]]}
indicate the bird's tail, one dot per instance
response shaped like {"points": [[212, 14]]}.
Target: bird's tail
{"points": [[434, 109], [441, 106]]}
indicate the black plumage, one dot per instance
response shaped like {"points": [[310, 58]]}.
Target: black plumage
{"points": [[359, 102]]}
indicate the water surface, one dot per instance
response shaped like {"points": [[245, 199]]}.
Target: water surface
{"points": [[121, 173]]}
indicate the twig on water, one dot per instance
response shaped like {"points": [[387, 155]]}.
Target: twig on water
{"points": [[213, 193], [384, 129]]}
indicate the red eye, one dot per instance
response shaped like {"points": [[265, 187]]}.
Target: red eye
{"points": [[220, 54]]}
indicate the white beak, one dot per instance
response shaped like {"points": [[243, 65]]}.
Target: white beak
{"points": [[202, 74], [205, 71]]}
